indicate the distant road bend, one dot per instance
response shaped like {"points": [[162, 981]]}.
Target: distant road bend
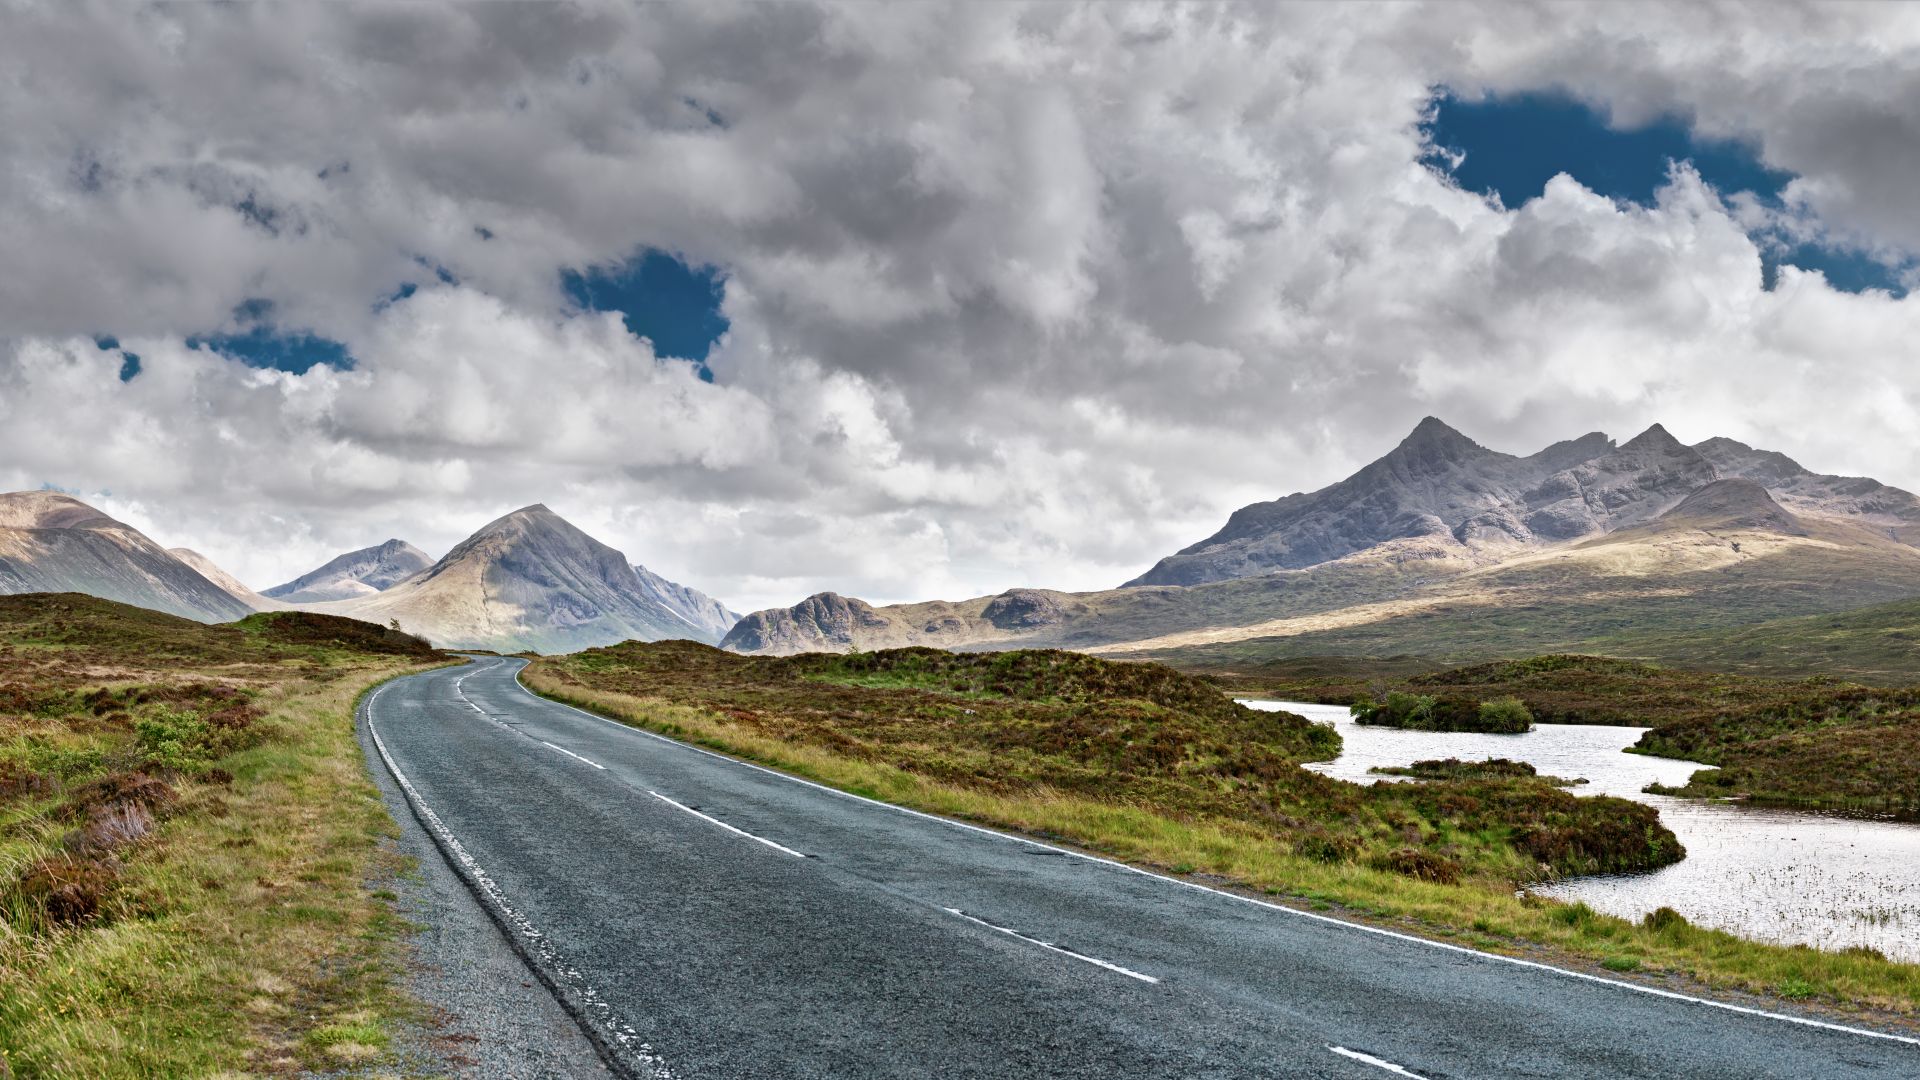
{"points": [[704, 917]]}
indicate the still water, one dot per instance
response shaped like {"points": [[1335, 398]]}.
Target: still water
{"points": [[1773, 875]]}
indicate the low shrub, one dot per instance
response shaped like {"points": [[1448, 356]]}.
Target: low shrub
{"points": [[1326, 848], [1663, 918], [66, 890], [1423, 712], [1415, 863]]}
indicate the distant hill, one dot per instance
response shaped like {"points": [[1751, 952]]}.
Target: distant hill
{"points": [[51, 542], [532, 581], [357, 573], [227, 582]]}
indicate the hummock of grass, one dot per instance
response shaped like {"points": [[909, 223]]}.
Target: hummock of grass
{"points": [[187, 834], [1487, 769]]}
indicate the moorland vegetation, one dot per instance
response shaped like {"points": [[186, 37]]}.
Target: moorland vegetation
{"points": [[1150, 766], [187, 834]]}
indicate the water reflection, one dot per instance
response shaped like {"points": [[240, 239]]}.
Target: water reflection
{"points": [[1773, 875]]}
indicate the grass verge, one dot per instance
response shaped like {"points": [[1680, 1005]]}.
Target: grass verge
{"points": [[230, 925]]}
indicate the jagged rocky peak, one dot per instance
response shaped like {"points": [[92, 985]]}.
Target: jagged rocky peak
{"points": [[1439, 485], [1435, 483], [1637, 482]]}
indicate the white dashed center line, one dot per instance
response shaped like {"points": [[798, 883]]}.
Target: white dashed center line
{"points": [[570, 754], [1051, 947], [724, 825], [1378, 1063]]}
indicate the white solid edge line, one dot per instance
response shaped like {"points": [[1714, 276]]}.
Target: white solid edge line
{"points": [[622, 1032], [724, 825], [1051, 947], [571, 754], [1654, 991], [1378, 1063]]}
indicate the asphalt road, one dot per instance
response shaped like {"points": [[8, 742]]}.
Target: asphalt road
{"points": [[706, 918]]}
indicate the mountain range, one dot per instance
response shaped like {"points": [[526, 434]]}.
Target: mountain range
{"points": [[1444, 546], [529, 580]]}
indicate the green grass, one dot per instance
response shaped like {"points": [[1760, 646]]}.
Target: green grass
{"points": [[237, 932]]}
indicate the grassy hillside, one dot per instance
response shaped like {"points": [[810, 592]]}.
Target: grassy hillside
{"points": [[186, 833], [1148, 766]]}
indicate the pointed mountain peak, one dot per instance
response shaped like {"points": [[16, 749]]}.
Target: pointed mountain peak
{"points": [[1655, 438], [1432, 439], [516, 522]]}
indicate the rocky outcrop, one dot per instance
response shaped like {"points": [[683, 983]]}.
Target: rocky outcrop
{"points": [[51, 542], [823, 622], [355, 574], [1025, 609]]}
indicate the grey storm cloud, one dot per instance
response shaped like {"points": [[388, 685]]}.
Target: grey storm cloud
{"points": [[1019, 294]]}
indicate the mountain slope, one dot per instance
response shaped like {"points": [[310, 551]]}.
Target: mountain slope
{"points": [[708, 618], [233, 587], [1806, 492], [51, 542], [528, 581], [357, 573]]}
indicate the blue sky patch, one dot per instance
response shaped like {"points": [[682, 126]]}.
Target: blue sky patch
{"points": [[261, 343], [659, 297], [1514, 145], [129, 362]]}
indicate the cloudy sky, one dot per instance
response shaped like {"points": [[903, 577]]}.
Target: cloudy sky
{"points": [[1003, 294]]}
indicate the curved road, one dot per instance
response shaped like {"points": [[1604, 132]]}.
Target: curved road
{"points": [[708, 918]]}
